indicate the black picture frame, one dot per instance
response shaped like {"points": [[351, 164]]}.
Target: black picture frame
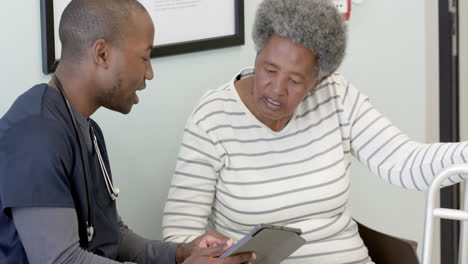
{"points": [[49, 61]]}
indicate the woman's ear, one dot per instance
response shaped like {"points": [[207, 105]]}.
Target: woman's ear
{"points": [[323, 78], [315, 84]]}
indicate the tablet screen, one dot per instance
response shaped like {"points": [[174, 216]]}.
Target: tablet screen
{"points": [[271, 244]]}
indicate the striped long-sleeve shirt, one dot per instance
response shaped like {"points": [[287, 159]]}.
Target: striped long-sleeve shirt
{"points": [[233, 172]]}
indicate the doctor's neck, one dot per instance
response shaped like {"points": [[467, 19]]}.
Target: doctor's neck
{"points": [[79, 87]]}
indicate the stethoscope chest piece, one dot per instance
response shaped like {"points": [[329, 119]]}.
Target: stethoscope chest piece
{"points": [[90, 231]]}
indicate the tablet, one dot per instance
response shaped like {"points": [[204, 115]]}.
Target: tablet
{"points": [[271, 243]]}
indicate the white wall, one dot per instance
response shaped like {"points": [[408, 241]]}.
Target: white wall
{"points": [[142, 145], [386, 60], [392, 58], [463, 56], [463, 81]]}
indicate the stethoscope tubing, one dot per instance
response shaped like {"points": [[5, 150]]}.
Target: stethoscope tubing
{"points": [[113, 192]]}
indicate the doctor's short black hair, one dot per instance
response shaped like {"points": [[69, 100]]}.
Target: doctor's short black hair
{"points": [[85, 21], [315, 24]]}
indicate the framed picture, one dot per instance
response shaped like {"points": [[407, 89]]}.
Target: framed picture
{"points": [[181, 26]]}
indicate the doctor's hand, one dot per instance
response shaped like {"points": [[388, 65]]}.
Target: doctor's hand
{"points": [[212, 239], [209, 239], [210, 244], [209, 256]]}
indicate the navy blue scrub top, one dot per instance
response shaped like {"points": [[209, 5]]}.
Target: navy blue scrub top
{"points": [[40, 166]]}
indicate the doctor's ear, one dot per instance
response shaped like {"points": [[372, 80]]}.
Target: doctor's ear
{"points": [[101, 52]]}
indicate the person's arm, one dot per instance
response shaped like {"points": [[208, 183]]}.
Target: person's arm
{"points": [[391, 154], [133, 247], [193, 186], [203, 249], [50, 235]]}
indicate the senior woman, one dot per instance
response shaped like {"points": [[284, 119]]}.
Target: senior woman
{"points": [[274, 144]]}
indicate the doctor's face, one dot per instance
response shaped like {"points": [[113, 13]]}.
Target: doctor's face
{"points": [[285, 72], [131, 65]]}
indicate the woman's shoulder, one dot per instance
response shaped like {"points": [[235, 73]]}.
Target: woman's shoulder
{"points": [[218, 99], [213, 99], [335, 81], [335, 85]]}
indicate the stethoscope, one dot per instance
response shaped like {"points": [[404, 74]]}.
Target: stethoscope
{"points": [[113, 192]]}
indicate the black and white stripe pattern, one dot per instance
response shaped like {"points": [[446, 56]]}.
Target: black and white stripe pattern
{"points": [[233, 172]]}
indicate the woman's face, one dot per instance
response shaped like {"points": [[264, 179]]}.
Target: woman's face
{"points": [[285, 72]]}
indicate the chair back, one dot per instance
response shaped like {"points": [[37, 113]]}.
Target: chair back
{"points": [[386, 249]]}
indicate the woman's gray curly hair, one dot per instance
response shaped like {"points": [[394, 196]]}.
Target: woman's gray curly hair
{"points": [[316, 24]]}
